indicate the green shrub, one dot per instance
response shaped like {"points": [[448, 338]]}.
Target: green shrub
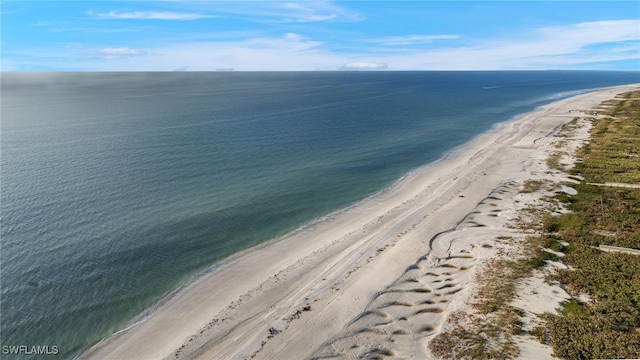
{"points": [[608, 326], [594, 337]]}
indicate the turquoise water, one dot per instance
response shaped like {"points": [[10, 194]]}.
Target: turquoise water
{"points": [[116, 188]]}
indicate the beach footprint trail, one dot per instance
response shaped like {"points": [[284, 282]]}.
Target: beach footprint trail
{"points": [[411, 308], [402, 318]]}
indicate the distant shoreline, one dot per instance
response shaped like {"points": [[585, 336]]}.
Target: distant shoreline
{"points": [[320, 287]]}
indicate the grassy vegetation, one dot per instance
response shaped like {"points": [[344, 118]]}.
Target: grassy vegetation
{"points": [[613, 154], [473, 336], [488, 332], [601, 215], [553, 161], [609, 325], [532, 186], [606, 215]]}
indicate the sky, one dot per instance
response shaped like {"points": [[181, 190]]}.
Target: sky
{"points": [[319, 35]]}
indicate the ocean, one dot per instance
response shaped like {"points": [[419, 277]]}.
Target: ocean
{"points": [[118, 188]]}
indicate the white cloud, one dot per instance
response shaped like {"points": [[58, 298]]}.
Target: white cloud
{"points": [[595, 32], [363, 65], [317, 18], [151, 15], [288, 52], [301, 13], [117, 53], [286, 12], [556, 47], [290, 42], [565, 47], [412, 39]]}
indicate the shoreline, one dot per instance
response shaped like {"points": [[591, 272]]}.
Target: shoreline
{"points": [[306, 292]]}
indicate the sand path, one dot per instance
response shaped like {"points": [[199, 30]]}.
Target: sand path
{"points": [[378, 278]]}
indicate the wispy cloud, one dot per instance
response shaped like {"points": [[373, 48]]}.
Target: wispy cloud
{"points": [[286, 12], [411, 39], [151, 15], [290, 51], [117, 53], [594, 32], [545, 48], [298, 13], [289, 42], [572, 46], [565, 47], [364, 65], [90, 30]]}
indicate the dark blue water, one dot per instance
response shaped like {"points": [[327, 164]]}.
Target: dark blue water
{"points": [[116, 188]]}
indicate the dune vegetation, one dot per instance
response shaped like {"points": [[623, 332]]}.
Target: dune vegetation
{"points": [[607, 325], [602, 319]]}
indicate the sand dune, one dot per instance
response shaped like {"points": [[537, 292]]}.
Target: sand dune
{"points": [[376, 279]]}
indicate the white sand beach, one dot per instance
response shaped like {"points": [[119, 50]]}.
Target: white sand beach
{"points": [[380, 277]]}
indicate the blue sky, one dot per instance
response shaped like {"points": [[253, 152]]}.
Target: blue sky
{"points": [[312, 35]]}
